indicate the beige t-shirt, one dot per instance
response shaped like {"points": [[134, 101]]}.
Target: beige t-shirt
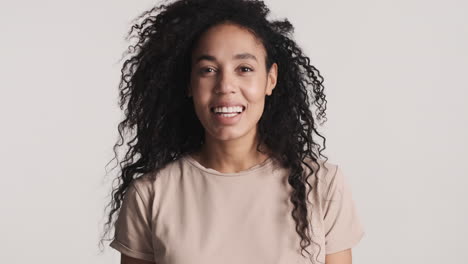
{"points": [[193, 214]]}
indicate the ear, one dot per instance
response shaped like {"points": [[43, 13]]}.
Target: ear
{"points": [[271, 78]]}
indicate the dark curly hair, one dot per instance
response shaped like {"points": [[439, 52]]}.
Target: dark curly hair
{"points": [[153, 93]]}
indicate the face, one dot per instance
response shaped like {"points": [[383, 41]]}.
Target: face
{"points": [[228, 69]]}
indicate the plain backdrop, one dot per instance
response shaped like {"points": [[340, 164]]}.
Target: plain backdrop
{"points": [[396, 84]]}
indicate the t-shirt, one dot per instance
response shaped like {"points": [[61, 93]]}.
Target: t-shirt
{"points": [[189, 213]]}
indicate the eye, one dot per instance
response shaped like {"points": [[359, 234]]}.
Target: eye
{"points": [[206, 69], [249, 69]]}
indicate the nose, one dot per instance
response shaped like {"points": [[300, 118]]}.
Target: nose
{"points": [[226, 83]]}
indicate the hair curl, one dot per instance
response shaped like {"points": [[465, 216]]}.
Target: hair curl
{"points": [[154, 81]]}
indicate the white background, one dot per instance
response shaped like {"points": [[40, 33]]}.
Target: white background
{"points": [[395, 80]]}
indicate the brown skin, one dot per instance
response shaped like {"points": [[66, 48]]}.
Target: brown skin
{"points": [[230, 148]]}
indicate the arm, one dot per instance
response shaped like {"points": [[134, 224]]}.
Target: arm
{"points": [[133, 235], [341, 257], [124, 259]]}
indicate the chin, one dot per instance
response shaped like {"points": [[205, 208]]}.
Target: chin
{"points": [[224, 134]]}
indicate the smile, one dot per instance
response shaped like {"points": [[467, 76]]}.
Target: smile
{"points": [[227, 118]]}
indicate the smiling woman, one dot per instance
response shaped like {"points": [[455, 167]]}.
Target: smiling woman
{"points": [[229, 50], [222, 166]]}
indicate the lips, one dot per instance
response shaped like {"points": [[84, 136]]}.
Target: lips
{"points": [[226, 105], [227, 120]]}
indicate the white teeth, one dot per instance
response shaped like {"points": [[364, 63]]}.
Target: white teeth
{"points": [[234, 109], [230, 115]]}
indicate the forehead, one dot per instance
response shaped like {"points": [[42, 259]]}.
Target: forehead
{"points": [[226, 41]]}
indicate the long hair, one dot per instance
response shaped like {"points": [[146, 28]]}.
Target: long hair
{"points": [[161, 120]]}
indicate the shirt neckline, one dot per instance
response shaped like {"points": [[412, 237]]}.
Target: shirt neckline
{"points": [[263, 165]]}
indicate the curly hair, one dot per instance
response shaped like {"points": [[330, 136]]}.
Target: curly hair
{"points": [[160, 118]]}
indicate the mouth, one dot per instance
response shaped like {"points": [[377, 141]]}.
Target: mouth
{"points": [[228, 118], [220, 113]]}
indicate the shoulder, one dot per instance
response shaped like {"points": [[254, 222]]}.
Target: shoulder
{"points": [[325, 179], [324, 172], [149, 184]]}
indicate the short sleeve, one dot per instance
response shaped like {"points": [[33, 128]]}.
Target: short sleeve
{"points": [[343, 228], [133, 235]]}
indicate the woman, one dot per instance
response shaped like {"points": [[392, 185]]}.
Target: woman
{"points": [[223, 167]]}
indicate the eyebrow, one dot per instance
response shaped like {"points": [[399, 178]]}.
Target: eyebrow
{"points": [[240, 56]]}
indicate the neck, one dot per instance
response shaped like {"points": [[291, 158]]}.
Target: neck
{"points": [[227, 157]]}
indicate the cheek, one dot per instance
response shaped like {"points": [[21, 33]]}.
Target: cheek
{"points": [[201, 104], [255, 93], [202, 89]]}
